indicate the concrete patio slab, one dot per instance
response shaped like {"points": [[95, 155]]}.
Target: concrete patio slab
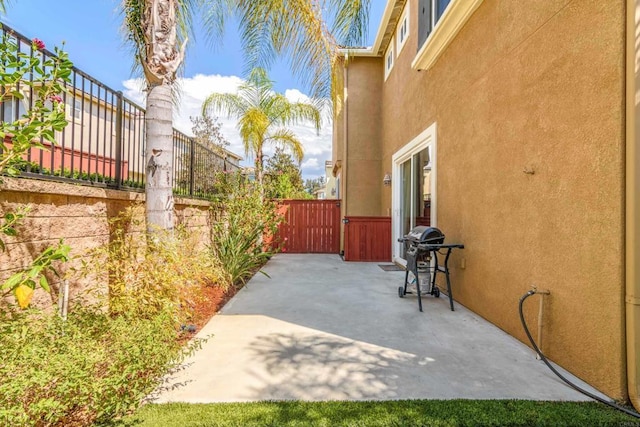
{"points": [[323, 329]]}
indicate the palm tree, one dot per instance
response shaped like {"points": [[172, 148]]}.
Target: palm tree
{"points": [[158, 31], [263, 117]]}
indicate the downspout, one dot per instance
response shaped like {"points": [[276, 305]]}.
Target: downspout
{"points": [[632, 202], [345, 163]]}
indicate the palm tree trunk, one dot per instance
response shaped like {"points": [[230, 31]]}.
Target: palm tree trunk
{"points": [[260, 172], [159, 156]]}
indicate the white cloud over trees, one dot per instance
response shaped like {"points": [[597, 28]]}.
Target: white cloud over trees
{"points": [[194, 90]]}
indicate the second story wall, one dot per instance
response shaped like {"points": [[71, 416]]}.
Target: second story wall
{"points": [[363, 149], [528, 105]]}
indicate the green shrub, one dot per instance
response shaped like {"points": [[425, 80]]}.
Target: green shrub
{"points": [[108, 355], [237, 247], [238, 234], [100, 363], [90, 368]]}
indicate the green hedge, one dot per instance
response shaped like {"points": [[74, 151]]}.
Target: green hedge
{"points": [[88, 369]]}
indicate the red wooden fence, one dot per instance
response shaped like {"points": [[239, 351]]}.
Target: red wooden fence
{"points": [[367, 238], [310, 226]]}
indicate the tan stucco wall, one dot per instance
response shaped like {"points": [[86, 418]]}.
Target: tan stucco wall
{"points": [[80, 216], [536, 88], [363, 176]]}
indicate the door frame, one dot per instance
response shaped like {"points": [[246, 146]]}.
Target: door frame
{"points": [[426, 138]]}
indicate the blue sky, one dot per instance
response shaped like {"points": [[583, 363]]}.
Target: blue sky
{"points": [[91, 32]]}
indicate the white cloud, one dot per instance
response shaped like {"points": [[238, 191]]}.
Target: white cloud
{"points": [[194, 90], [294, 95], [311, 163]]}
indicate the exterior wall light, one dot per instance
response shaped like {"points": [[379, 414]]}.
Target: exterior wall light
{"points": [[386, 180]]}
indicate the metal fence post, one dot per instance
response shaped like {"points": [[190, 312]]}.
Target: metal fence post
{"points": [[119, 141], [192, 162]]}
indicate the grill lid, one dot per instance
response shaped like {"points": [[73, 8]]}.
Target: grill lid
{"points": [[425, 235]]}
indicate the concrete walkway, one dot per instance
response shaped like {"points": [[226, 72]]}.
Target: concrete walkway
{"points": [[324, 329]]}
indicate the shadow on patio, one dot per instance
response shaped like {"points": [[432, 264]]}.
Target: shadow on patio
{"points": [[324, 329]]}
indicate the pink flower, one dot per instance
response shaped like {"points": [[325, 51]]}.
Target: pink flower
{"points": [[55, 99], [37, 43]]}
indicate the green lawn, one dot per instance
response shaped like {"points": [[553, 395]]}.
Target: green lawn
{"points": [[388, 413]]}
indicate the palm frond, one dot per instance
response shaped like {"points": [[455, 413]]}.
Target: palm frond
{"points": [[282, 112], [293, 28], [253, 126], [285, 138], [133, 29], [259, 109], [350, 23], [297, 29], [227, 104], [136, 27], [304, 112], [214, 16]]}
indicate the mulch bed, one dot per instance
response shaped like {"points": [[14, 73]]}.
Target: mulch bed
{"points": [[212, 299]]}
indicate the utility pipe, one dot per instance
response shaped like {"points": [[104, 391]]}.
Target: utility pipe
{"points": [[632, 201], [345, 152], [540, 316]]}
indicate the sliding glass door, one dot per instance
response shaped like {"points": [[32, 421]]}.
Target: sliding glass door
{"points": [[413, 191]]}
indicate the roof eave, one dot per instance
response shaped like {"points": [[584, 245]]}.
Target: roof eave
{"points": [[377, 49]]}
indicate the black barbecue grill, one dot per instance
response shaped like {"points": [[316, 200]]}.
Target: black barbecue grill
{"points": [[421, 245]]}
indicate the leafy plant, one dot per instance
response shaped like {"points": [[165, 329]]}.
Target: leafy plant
{"points": [[148, 275], [9, 223], [23, 283], [283, 179], [238, 235], [237, 247], [88, 369], [45, 80], [47, 110]]}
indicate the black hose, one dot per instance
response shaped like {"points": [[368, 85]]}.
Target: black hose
{"points": [[555, 371]]}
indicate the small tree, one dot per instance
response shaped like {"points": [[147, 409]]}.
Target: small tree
{"points": [[264, 117], [282, 177], [314, 184], [207, 132], [209, 156]]}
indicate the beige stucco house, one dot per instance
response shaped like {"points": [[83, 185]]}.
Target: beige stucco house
{"points": [[511, 126], [89, 141], [330, 186]]}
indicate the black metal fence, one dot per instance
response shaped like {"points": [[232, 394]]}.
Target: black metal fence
{"points": [[103, 143]]}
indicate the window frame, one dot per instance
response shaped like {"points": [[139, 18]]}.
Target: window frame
{"points": [[390, 55], [402, 36], [444, 30], [77, 108]]}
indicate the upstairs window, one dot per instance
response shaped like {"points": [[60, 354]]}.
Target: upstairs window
{"points": [[77, 108], [403, 28], [429, 13], [12, 109], [389, 59]]}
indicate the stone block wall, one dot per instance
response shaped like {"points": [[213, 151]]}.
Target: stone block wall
{"points": [[81, 216]]}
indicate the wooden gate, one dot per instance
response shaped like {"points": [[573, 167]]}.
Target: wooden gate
{"points": [[367, 238], [310, 226]]}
